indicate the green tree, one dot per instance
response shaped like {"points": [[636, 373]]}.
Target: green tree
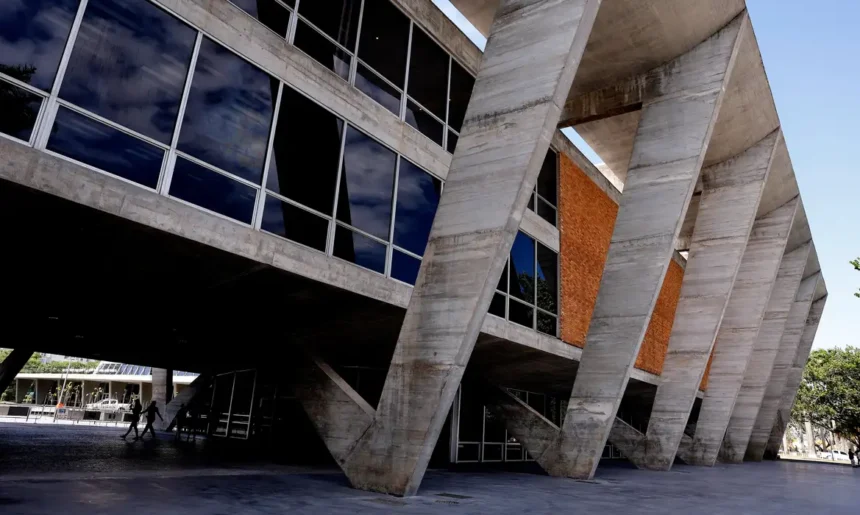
{"points": [[856, 264], [829, 394]]}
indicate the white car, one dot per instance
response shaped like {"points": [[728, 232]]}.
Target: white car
{"points": [[109, 405], [835, 455]]}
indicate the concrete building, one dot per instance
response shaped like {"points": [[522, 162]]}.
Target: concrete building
{"points": [[367, 234]]}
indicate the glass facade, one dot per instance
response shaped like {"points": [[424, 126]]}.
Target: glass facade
{"points": [[544, 201]]}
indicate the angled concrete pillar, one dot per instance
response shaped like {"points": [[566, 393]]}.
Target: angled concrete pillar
{"points": [[764, 353], [739, 330], [727, 211], [793, 378], [527, 70], [678, 116], [162, 385], [185, 396], [13, 364]]}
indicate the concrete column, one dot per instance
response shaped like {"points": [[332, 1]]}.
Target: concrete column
{"points": [[794, 376], [162, 385], [678, 116], [145, 393], [739, 330], [13, 364], [810, 440], [185, 396], [727, 211], [763, 355], [527, 70], [794, 325]]}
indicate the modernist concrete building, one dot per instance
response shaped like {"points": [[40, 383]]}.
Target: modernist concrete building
{"points": [[386, 225]]}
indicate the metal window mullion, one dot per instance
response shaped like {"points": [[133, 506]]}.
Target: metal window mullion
{"points": [[379, 76], [261, 194], [225, 173], [403, 98], [251, 410], [447, 106], [294, 21], [113, 125], [360, 232], [326, 36], [483, 432], [407, 252], [285, 200], [389, 252], [166, 177], [51, 109], [340, 170], [534, 293], [230, 408], [353, 64], [23, 85]]}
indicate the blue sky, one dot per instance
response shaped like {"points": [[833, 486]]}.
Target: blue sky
{"points": [[811, 58]]}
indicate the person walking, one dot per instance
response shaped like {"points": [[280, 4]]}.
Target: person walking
{"points": [[851, 456], [136, 409], [151, 413]]}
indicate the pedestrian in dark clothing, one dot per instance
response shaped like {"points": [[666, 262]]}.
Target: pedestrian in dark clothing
{"points": [[180, 420], [136, 409], [151, 413], [851, 456]]}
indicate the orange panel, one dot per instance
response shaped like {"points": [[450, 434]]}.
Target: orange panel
{"points": [[704, 385], [652, 354]]}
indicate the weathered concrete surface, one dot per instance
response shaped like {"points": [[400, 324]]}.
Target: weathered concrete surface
{"points": [[794, 376], [185, 396], [671, 142], [13, 364], [764, 353], [732, 191], [526, 73], [162, 386], [534, 430], [540, 229], [794, 326]]}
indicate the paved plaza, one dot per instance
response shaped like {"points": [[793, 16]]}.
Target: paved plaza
{"points": [[83, 470]]}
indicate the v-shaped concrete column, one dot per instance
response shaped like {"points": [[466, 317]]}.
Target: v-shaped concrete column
{"points": [[794, 325], [739, 330], [727, 211], [527, 71], [678, 116], [764, 353], [13, 364], [793, 378]]}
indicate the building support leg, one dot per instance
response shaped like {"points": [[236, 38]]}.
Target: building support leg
{"points": [[185, 397], [13, 364], [162, 385]]}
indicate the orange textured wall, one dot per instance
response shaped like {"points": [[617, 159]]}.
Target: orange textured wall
{"points": [[652, 354], [585, 221], [704, 385]]}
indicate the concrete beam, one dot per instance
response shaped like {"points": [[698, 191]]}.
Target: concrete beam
{"points": [[793, 378], [669, 148], [764, 353], [731, 196], [13, 364], [794, 326], [526, 73]]}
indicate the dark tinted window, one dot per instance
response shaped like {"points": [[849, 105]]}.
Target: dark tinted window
{"points": [[546, 324], [213, 191], [384, 40], [337, 18], [20, 109], [33, 34], [129, 65], [359, 249], [428, 73], [546, 211], [371, 85], [461, 90], [294, 224], [421, 120], [103, 147], [366, 185], [452, 142], [547, 279], [417, 199], [404, 268], [269, 12], [497, 305], [547, 183], [322, 50], [229, 113], [503, 280], [521, 314], [522, 268], [306, 152]]}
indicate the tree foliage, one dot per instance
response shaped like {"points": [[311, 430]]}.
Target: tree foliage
{"points": [[34, 365], [829, 394], [856, 264]]}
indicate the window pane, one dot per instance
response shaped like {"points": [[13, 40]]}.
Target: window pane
{"points": [[129, 65], [366, 185], [493, 452], [532, 202], [468, 451], [404, 268], [503, 280], [359, 249], [337, 18], [548, 179], [294, 224], [421, 120], [513, 452], [33, 34], [20, 109], [384, 40], [94, 143], [368, 83], [322, 50], [497, 305], [494, 430], [547, 279], [428, 73], [417, 199], [229, 112], [546, 324], [452, 142], [523, 268], [521, 314], [269, 12], [306, 152], [471, 416], [546, 211], [461, 90], [213, 191]]}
